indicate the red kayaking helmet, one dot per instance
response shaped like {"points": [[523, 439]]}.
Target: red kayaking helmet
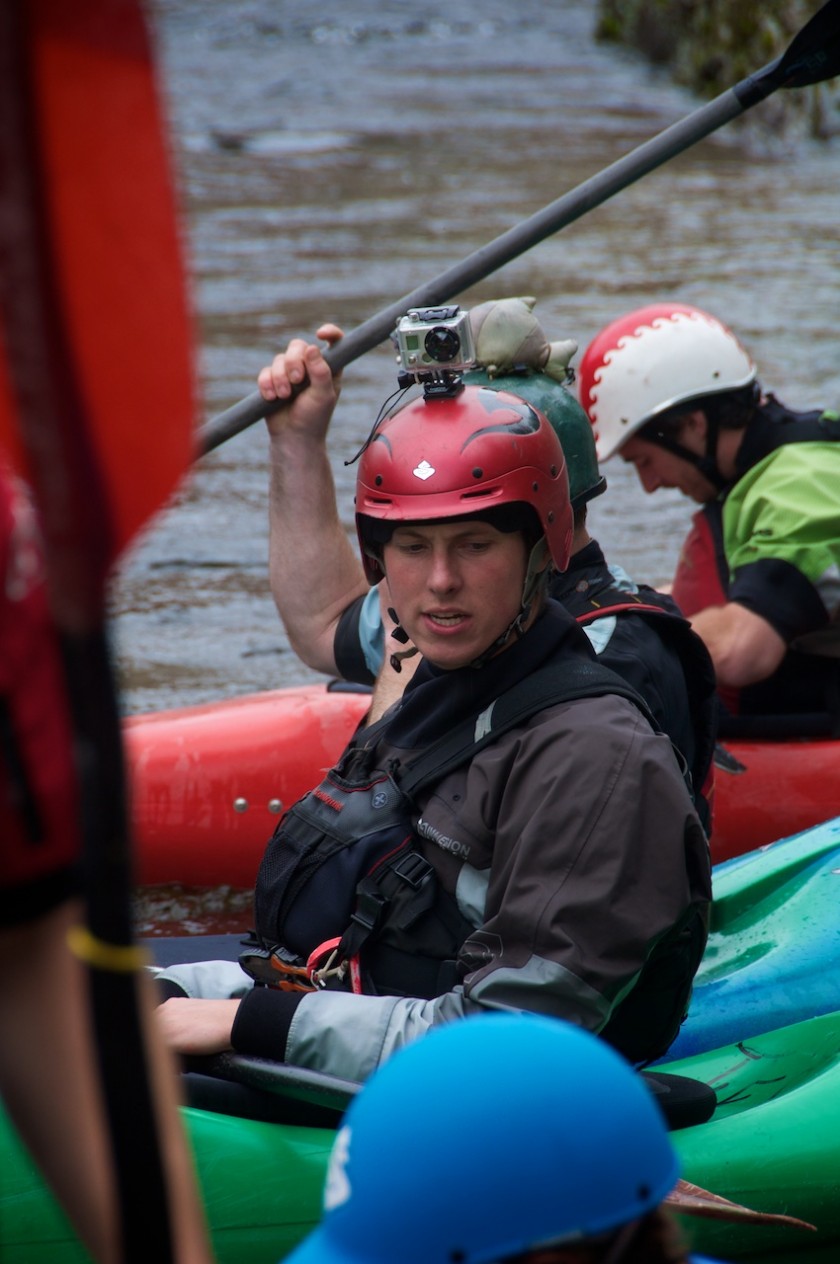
{"points": [[476, 453]]}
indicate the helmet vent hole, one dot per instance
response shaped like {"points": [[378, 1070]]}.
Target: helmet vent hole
{"points": [[644, 1193], [551, 515], [478, 473], [554, 471], [378, 480], [457, 1257], [535, 487]]}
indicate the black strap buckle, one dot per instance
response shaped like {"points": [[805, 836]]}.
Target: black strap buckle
{"points": [[369, 906], [413, 869]]}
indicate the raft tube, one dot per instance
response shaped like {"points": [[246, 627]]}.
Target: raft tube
{"points": [[209, 783]]}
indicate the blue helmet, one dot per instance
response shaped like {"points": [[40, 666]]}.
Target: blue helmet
{"points": [[487, 1138]]}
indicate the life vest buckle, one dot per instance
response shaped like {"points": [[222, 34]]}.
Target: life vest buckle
{"points": [[413, 869], [370, 904]]}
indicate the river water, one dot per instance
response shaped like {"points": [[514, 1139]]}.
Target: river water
{"points": [[334, 157]]}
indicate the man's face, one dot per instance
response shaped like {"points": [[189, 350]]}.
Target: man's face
{"points": [[657, 467], [456, 586]]}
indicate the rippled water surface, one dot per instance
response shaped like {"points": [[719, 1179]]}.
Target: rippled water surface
{"points": [[333, 157]]}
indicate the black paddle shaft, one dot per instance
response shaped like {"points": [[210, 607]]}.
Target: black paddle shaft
{"points": [[813, 56]]}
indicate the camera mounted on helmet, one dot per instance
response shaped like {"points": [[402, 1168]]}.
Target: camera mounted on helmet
{"points": [[503, 336], [435, 346]]}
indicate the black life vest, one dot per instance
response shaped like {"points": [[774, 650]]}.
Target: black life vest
{"points": [[341, 873], [595, 595], [342, 868]]}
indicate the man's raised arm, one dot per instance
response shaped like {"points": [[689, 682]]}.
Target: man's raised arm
{"points": [[315, 573]]}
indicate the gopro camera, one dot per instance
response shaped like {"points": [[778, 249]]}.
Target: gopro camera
{"points": [[435, 341]]}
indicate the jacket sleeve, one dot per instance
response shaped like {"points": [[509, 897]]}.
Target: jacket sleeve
{"points": [[359, 642], [782, 538], [596, 853]]}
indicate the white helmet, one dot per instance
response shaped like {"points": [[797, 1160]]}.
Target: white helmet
{"points": [[652, 359]]}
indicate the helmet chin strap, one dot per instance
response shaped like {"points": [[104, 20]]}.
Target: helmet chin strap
{"points": [[399, 634], [621, 1242], [535, 578], [706, 464], [534, 584]]}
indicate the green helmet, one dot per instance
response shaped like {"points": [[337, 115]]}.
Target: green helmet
{"points": [[568, 420]]}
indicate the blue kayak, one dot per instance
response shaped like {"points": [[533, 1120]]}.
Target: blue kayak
{"points": [[773, 956]]}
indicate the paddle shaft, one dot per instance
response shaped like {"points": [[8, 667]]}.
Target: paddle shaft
{"points": [[487, 259], [811, 58], [85, 214]]}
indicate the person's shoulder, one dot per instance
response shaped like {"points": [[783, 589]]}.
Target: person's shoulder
{"points": [[808, 455], [798, 480], [596, 715]]}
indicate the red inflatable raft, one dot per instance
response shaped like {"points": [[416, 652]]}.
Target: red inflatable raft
{"points": [[209, 783]]}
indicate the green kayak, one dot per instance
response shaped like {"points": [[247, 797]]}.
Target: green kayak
{"points": [[772, 1146], [262, 1187], [773, 1141]]}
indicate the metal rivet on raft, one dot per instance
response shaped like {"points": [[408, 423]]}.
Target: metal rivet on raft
{"points": [[240, 805], [275, 805]]}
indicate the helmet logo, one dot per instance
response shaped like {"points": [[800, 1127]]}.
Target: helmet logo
{"points": [[337, 1190], [423, 470]]}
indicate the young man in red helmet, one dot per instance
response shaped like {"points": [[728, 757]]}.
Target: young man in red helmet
{"points": [[672, 391], [340, 625], [530, 842]]}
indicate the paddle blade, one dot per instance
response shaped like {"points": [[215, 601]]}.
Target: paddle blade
{"points": [[814, 54], [97, 395], [812, 57], [693, 1200]]}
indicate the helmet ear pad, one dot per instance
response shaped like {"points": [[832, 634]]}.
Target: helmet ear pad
{"points": [[455, 457]]}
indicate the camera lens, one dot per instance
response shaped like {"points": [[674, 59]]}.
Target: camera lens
{"points": [[442, 344]]}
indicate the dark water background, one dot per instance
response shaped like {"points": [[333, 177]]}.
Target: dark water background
{"points": [[333, 157]]}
